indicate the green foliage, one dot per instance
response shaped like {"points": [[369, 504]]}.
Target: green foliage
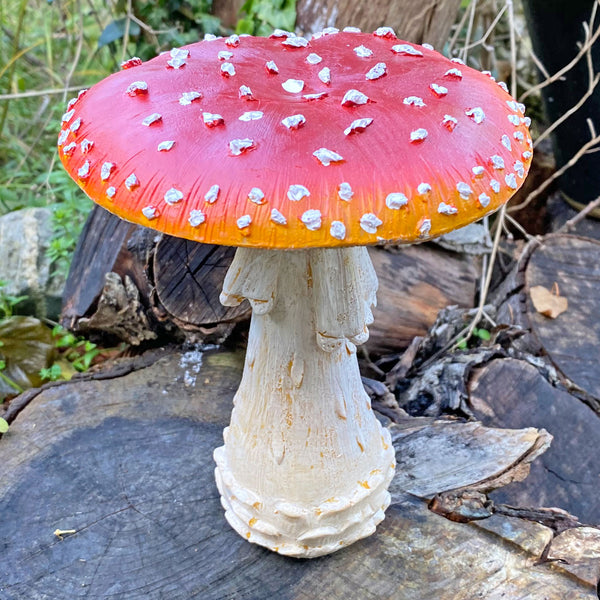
{"points": [[3, 425], [262, 16], [478, 335], [8, 302]]}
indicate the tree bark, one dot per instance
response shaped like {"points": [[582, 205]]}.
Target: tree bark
{"points": [[426, 21]]}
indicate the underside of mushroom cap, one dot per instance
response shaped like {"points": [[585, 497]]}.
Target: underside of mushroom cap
{"points": [[347, 139]]}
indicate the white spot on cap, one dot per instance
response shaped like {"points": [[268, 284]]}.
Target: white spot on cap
{"points": [[132, 182], [137, 87], [438, 90], [526, 121], [312, 219], [134, 61], [196, 218], [271, 66], [370, 222], [295, 42], [514, 119], [246, 93], [330, 31], [484, 200], [447, 209], [210, 37], [518, 135], [464, 190], [428, 46], [449, 122], [506, 142], [281, 33], [354, 98], [68, 115], [256, 195], [293, 86], [62, 138], [325, 75], [511, 181], [233, 41], [351, 30], [345, 191], [75, 125], [406, 50], [384, 32], [294, 121], [239, 146], [69, 148], [476, 114], [277, 217], [396, 200], [86, 146], [425, 227], [363, 51], [150, 212], [527, 155], [458, 61], [110, 192], [478, 171], [106, 170], [188, 97], [337, 230], [413, 101], [418, 135], [212, 120], [178, 58], [318, 96], [173, 196], [495, 185], [252, 115], [244, 221], [456, 73], [423, 188], [296, 192], [358, 125], [227, 69], [503, 86], [497, 162], [84, 171], [165, 146], [326, 157], [225, 55], [212, 194], [313, 59], [71, 103], [512, 104], [379, 70], [151, 119]]}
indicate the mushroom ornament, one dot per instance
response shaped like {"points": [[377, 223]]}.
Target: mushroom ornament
{"points": [[300, 153]]}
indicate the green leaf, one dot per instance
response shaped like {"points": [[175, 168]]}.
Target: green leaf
{"points": [[115, 30], [27, 347], [3, 425], [483, 334]]}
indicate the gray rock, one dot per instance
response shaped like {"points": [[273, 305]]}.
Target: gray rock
{"points": [[24, 239]]}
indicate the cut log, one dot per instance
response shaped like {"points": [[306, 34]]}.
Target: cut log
{"points": [[512, 393], [108, 491], [570, 266], [179, 283]]}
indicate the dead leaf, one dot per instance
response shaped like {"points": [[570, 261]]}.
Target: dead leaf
{"points": [[548, 302]]}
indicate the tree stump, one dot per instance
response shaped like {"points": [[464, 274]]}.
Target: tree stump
{"points": [[108, 492]]}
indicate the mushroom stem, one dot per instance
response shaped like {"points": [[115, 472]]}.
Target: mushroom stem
{"points": [[306, 465]]}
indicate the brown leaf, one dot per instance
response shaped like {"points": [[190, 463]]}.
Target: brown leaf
{"points": [[548, 302]]}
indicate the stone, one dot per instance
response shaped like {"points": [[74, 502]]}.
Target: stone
{"points": [[24, 265]]}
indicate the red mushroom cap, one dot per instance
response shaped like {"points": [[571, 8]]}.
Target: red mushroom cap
{"points": [[278, 142]]}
